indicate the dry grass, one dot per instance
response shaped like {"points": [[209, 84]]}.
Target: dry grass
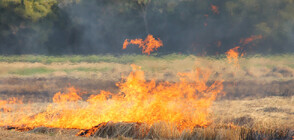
{"points": [[162, 68], [232, 119], [273, 111], [16, 135], [259, 96]]}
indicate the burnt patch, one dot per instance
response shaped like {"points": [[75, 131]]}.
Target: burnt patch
{"points": [[273, 109], [114, 130], [43, 89], [53, 131], [18, 128], [44, 130]]}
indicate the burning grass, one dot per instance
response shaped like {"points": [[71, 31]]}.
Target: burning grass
{"points": [[183, 104], [232, 119], [256, 123], [165, 108], [167, 131]]}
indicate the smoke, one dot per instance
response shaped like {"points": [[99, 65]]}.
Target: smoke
{"points": [[289, 28], [184, 26]]}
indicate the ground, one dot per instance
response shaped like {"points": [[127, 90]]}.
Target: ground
{"points": [[258, 91]]}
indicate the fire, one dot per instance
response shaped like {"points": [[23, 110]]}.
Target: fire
{"points": [[250, 39], [233, 55], [149, 45], [214, 9], [184, 104], [72, 96], [5, 105]]}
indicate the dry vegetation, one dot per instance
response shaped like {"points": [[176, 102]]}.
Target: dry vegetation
{"points": [[263, 118], [162, 68], [258, 104]]}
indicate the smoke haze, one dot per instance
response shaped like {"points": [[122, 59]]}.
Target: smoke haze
{"points": [[184, 26]]}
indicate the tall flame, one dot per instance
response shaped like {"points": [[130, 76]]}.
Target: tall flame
{"points": [[185, 104], [233, 56], [149, 45]]}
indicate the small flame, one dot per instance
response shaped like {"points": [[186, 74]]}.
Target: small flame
{"points": [[233, 55], [71, 96], [149, 45], [214, 9], [250, 39], [4, 104]]}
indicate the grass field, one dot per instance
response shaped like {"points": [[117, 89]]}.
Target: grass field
{"points": [[254, 67], [259, 92]]}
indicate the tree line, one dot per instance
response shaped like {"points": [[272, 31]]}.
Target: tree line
{"points": [[56, 27]]}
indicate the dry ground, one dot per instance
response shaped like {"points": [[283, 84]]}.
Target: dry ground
{"points": [[255, 77]]}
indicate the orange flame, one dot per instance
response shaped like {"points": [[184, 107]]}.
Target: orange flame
{"points": [[185, 104], [71, 96], [250, 39], [214, 9], [4, 104], [149, 45], [233, 55]]}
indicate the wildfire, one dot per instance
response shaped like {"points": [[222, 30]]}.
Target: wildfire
{"points": [[250, 39], [71, 96], [185, 104], [5, 105], [149, 45], [214, 9], [233, 55]]}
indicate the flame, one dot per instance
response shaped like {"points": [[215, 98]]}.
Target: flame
{"points": [[5, 104], [71, 96], [149, 45], [185, 104], [214, 9], [250, 39], [233, 55]]}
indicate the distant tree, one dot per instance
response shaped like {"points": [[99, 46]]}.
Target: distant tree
{"points": [[58, 26]]}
